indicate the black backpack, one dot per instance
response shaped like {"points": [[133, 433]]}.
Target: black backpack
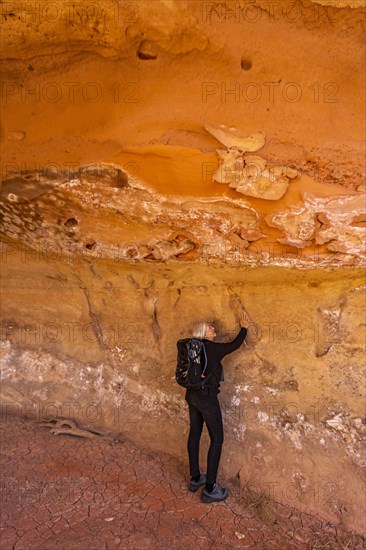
{"points": [[191, 363]]}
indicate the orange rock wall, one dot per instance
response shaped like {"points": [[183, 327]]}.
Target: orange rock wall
{"points": [[116, 238], [96, 342]]}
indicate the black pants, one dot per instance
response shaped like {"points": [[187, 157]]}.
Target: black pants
{"points": [[204, 406]]}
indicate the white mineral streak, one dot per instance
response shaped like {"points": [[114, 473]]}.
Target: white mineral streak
{"points": [[239, 432], [301, 481], [157, 402], [298, 223], [116, 389], [272, 391], [249, 174], [351, 431], [331, 221], [112, 388], [335, 422], [331, 315]]}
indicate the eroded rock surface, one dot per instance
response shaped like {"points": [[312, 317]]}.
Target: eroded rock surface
{"points": [[338, 222], [250, 174], [74, 214]]}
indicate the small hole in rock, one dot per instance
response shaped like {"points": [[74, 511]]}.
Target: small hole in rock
{"points": [[146, 55], [246, 64], [90, 246], [147, 50], [71, 222]]}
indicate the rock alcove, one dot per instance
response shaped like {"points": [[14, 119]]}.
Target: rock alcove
{"points": [[158, 157]]}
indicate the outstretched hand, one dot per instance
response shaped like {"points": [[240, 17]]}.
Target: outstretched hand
{"points": [[245, 320]]}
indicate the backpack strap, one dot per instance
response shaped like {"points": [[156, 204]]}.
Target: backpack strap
{"points": [[204, 351]]}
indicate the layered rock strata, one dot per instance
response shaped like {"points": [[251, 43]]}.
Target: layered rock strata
{"points": [[75, 213]]}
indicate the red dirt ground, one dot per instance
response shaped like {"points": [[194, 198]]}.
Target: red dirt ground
{"points": [[68, 493]]}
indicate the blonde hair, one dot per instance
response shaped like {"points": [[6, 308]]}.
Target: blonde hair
{"points": [[199, 330]]}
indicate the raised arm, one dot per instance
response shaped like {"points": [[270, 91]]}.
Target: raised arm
{"points": [[228, 347]]}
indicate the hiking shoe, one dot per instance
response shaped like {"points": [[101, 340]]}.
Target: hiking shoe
{"points": [[194, 485], [217, 494]]}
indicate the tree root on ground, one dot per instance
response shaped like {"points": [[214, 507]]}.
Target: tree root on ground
{"points": [[68, 427]]}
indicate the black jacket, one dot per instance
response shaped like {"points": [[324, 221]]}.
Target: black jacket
{"points": [[215, 351]]}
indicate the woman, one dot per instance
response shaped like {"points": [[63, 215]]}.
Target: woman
{"points": [[204, 406]]}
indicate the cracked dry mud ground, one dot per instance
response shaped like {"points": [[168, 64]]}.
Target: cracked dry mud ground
{"points": [[63, 492]]}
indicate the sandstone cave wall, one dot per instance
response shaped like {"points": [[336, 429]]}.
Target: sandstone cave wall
{"points": [[93, 337], [97, 343]]}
